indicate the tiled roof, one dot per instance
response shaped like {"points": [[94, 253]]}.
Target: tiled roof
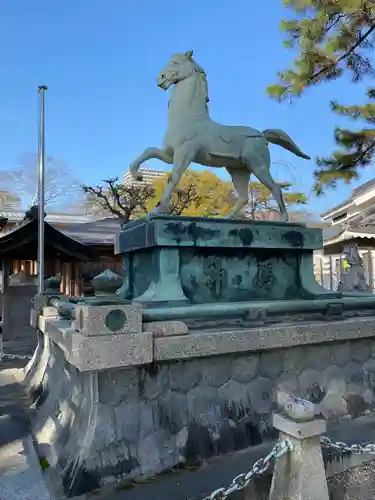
{"points": [[99, 232], [359, 191], [23, 241]]}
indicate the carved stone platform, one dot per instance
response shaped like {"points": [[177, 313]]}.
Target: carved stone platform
{"points": [[176, 261], [120, 406]]}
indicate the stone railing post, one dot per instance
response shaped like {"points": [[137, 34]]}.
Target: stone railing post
{"points": [[51, 303], [300, 474]]}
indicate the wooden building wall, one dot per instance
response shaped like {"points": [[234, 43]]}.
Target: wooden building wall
{"points": [[75, 277]]}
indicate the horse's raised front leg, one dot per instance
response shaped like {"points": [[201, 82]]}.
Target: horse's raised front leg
{"points": [[148, 154], [181, 159]]}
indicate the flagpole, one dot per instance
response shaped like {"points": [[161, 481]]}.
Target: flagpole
{"points": [[41, 174]]}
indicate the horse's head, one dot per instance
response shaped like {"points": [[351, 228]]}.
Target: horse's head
{"points": [[180, 67]]}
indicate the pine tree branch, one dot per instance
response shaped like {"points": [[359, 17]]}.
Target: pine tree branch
{"points": [[343, 56], [359, 158], [334, 22], [332, 38]]}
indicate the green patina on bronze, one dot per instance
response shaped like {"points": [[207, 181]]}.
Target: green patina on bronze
{"points": [[115, 320], [205, 232], [52, 284], [105, 286], [197, 264], [181, 261]]}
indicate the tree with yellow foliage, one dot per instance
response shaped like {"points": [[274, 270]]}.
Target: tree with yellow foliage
{"points": [[262, 204], [200, 193]]}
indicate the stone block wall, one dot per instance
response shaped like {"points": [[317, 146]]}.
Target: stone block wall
{"points": [[16, 303], [122, 423]]}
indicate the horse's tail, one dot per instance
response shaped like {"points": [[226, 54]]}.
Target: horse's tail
{"points": [[276, 136]]}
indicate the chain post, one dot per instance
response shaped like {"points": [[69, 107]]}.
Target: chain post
{"points": [[261, 466], [302, 475], [302, 438]]}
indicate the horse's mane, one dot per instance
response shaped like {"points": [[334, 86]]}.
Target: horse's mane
{"points": [[203, 77], [200, 72]]}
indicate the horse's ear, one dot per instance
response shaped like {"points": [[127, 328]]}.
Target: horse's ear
{"points": [[189, 54]]}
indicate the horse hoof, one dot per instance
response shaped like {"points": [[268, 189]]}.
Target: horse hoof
{"points": [[157, 210], [134, 173]]}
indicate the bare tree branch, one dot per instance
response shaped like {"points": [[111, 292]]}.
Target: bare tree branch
{"points": [[122, 201], [60, 184], [98, 192]]}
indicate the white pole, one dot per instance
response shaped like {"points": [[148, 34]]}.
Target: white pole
{"points": [[41, 173]]}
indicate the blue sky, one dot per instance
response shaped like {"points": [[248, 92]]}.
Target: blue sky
{"points": [[100, 59]]}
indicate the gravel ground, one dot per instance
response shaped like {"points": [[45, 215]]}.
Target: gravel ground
{"points": [[354, 484]]}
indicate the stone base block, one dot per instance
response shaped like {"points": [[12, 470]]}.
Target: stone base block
{"points": [[166, 328], [90, 353], [108, 319]]}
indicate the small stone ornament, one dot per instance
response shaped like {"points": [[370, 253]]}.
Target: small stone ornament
{"points": [[299, 410], [353, 278], [52, 284], [107, 283]]}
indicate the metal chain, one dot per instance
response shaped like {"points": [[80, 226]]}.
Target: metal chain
{"points": [[242, 480], [343, 447], [14, 356]]}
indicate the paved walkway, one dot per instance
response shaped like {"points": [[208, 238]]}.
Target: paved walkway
{"points": [[21, 477], [355, 484]]}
